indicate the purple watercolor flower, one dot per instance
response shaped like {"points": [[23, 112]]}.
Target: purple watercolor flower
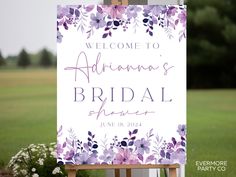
{"points": [[69, 155], [114, 11], [59, 37], [89, 8], [179, 156], [71, 11], [183, 17], [108, 155], [59, 149], [171, 11], [132, 11], [125, 156], [62, 11], [142, 146], [97, 21], [85, 158], [155, 9], [182, 130], [166, 161]]}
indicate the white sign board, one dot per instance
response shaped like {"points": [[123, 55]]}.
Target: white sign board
{"points": [[121, 88]]}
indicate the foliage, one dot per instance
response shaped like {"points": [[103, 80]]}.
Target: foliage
{"points": [[113, 18], [211, 44], [2, 60], [23, 59], [131, 149], [45, 58], [2, 164], [38, 160], [35, 160]]}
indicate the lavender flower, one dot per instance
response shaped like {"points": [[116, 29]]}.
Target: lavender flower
{"points": [[62, 11], [69, 155], [171, 11], [142, 146], [59, 37], [85, 158], [182, 17], [174, 156], [89, 8], [115, 11], [179, 156], [182, 130], [132, 11], [97, 21], [67, 11], [125, 156], [166, 161], [59, 149], [108, 155], [155, 9]]}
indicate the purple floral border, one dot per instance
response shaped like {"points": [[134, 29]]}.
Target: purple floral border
{"points": [[132, 149], [110, 18]]}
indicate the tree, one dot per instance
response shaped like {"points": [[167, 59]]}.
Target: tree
{"points": [[46, 58], [23, 59], [211, 44], [2, 60]]}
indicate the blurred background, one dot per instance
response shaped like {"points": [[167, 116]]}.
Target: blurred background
{"points": [[211, 44], [28, 80]]}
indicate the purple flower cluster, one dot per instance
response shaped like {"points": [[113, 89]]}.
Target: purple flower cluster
{"points": [[125, 156], [77, 152], [142, 146], [132, 11], [66, 16], [175, 151], [97, 21], [129, 150], [113, 17]]}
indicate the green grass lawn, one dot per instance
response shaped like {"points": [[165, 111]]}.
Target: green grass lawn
{"points": [[28, 115], [27, 109], [211, 130]]}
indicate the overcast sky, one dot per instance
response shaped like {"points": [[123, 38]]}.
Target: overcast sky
{"points": [[31, 24]]}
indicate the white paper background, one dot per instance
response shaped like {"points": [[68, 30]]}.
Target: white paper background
{"points": [[167, 116]]}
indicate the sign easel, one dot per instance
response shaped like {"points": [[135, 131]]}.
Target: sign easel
{"points": [[72, 169]]}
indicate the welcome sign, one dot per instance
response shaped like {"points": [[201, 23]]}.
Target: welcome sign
{"points": [[121, 86]]}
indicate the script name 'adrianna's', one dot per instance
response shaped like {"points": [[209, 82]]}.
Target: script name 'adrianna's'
{"points": [[99, 68]]}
